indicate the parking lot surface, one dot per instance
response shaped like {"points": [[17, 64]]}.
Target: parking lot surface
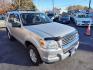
{"points": [[13, 56]]}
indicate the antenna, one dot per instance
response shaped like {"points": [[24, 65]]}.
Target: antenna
{"points": [[89, 5]]}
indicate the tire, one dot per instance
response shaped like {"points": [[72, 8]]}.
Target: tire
{"points": [[34, 55], [10, 37]]}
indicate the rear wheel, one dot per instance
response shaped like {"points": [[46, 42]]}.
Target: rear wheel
{"points": [[10, 36], [34, 55]]}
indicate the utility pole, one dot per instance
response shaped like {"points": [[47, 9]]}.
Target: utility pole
{"points": [[89, 5], [53, 6]]}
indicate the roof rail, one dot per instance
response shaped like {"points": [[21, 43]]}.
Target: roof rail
{"points": [[25, 10], [21, 10]]}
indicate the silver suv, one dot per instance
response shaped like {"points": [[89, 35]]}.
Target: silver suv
{"points": [[45, 40]]}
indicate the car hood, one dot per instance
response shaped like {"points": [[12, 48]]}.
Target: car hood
{"points": [[51, 29]]}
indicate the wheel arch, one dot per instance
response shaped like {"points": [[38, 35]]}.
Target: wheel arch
{"points": [[28, 43]]}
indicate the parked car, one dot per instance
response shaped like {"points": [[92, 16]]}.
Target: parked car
{"points": [[55, 18], [45, 40], [2, 21], [82, 19], [62, 19], [50, 15]]}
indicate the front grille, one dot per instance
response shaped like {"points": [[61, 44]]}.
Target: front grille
{"points": [[68, 38], [70, 47]]}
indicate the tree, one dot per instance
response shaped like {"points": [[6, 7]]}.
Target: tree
{"points": [[77, 7], [25, 5], [4, 7]]}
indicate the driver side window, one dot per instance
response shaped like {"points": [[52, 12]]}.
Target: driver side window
{"points": [[13, 18]]}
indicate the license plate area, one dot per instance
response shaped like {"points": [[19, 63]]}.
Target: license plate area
{"points": [[72, 51], [71, 48]]}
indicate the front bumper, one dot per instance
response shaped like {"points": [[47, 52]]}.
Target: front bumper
{"points": [[51, 56]]}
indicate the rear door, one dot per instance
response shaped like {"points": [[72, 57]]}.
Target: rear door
{"points": [[15, 31]]}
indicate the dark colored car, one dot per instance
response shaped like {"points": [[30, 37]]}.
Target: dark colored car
{"points": [[50, 15], [64, 20]]}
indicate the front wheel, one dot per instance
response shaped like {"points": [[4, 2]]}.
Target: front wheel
{"points": [[34, 55]]}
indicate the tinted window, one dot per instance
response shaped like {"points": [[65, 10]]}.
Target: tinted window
{"points": [[13, 17], [50, 15], [64, 18]]}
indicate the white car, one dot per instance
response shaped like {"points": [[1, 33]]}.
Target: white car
{"points": [[83, 19], [91, 15], [45, 40], [2, 21]]}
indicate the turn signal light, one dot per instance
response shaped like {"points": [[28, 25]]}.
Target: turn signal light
{"points": [[42, 43]]}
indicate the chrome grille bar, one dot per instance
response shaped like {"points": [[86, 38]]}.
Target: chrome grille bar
{"points": [[68, 38]]}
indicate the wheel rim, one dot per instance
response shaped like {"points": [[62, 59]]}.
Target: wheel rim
{"points": [[33, 56], [8, 35]]}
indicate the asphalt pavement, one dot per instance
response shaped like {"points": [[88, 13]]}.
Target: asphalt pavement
{"points": [[13, 56], [84, 39]]}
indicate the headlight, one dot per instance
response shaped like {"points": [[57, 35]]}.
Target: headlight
{"points": [[77, 34], [49, 44], [60, 43]]}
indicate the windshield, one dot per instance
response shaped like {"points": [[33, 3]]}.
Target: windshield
{"points": [[34, 19], [65, 18], [50, 15], [83, 16]]}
